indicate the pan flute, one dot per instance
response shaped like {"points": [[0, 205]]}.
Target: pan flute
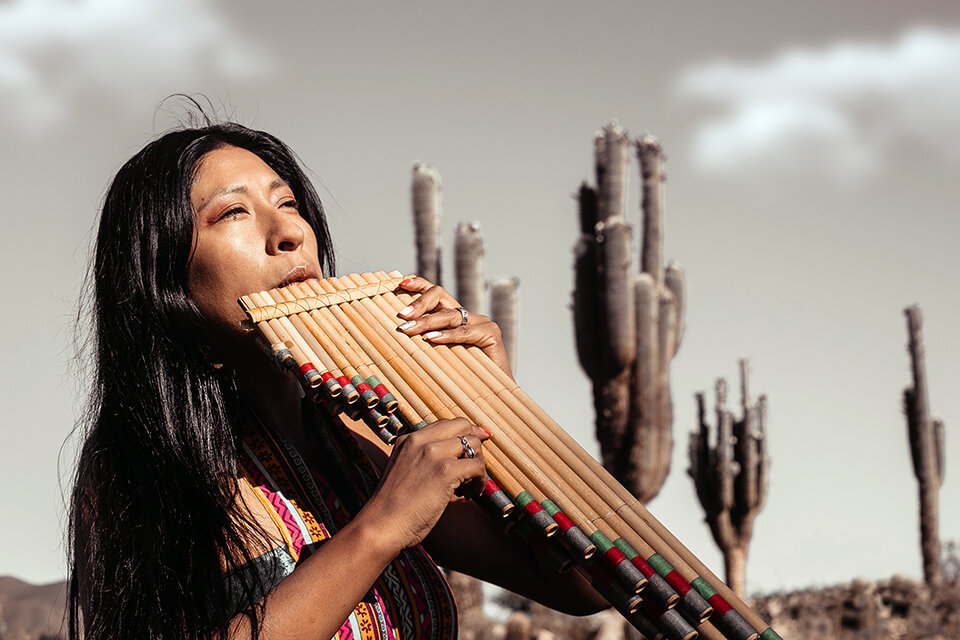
{"points": [[339, 337]]}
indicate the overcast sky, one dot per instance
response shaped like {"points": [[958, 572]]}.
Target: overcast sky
{"points": [[812, 153]]}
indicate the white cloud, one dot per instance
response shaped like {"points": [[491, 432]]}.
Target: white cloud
{"points": [[54, 52], [840, 111]]}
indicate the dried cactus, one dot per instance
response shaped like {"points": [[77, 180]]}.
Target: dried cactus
{"points": [[426, 221], [731, 477], [503, 311], [468, 256], [926, 447], [628, 327], [468, 248]]}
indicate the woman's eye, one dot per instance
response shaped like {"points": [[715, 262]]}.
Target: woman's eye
{"points": [[291, 203], [231, 214]]}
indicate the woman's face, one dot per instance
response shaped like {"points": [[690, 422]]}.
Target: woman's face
{"points": [[248, 234]]}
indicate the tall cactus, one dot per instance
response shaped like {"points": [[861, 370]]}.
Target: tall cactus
{"points": [[731, 477], [468, 258], [926, 447], [426, 221], [628, 326], [503, 311]]}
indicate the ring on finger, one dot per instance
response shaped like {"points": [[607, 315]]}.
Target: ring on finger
{"points": [[467, 451], [464, 315]]}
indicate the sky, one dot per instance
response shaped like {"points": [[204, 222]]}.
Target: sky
{"points": [[812, 154]]}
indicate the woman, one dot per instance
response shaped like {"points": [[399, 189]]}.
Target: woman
{"points": [[177, 528]]}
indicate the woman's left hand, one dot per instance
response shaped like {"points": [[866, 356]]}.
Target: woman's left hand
{"points": [[437, 317]]}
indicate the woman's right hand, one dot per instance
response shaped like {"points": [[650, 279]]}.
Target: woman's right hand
{"points": [[421, 478]]}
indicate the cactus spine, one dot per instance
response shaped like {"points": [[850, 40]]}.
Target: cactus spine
{"points": [[731, 477], [628, 326], [426, 221], [926, 447]]}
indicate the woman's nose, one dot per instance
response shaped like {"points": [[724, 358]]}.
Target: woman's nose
{"points": [[285, 232]]}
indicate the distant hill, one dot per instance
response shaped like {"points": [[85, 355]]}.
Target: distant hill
{"points": [[29, 611]]}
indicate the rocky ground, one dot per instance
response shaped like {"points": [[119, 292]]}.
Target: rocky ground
{"points": [[895, 609]]}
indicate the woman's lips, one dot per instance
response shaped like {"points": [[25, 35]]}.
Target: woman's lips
{"points": [[297, 274]]}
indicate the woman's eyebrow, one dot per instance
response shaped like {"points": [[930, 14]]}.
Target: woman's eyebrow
{"points": [[279, 183]]}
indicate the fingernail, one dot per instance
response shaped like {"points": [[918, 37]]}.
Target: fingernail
{"points": [[431, 335], [406, 325], [404, 311], [485, 431], [404, 283]]}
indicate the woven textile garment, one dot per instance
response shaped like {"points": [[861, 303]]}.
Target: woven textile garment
{"points": [[410, 600]]}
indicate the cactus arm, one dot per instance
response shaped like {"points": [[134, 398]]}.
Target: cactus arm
{"points": [[587, 312], [763, 466], [613, 238], [675, 281], [650, 154]]}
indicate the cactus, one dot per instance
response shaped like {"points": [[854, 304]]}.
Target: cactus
{"points": [[426, 221], [731, 477], [468, 248], [503, 311], [468, 256], [926, 446], [628, 326]]}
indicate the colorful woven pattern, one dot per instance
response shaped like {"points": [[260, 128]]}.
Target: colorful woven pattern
{"points": [[411, 599]]}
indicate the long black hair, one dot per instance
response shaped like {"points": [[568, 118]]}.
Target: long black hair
{"points": [[153, 514]]}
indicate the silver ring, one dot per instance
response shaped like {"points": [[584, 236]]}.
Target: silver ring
{"points": [[468, 451], [464, 316]]}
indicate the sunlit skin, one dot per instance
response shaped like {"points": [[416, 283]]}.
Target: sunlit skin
{"points": [[249, 236]]}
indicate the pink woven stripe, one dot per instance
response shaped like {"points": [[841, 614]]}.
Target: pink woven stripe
{"points": [[288, 520]]}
